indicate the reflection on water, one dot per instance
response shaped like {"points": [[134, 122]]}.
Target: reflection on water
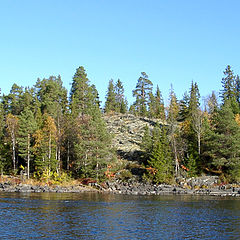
{"points": [[105, 216]]}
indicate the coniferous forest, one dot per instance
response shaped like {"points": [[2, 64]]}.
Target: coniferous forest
{"points": [[50, 134]]}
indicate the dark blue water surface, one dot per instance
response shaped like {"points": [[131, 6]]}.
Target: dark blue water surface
{"points": [[103, 216]]}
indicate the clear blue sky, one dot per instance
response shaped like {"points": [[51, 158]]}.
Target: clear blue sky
{"points": [[174, 41]]}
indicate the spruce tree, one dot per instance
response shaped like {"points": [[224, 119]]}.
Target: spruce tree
{"points": [[229, 91], [161, 159], [221, 143], [121, 102], [184, 107], [146, 145], [81, 98], [110, 104]]}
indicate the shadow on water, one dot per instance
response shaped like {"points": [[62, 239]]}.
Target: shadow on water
{"points": [[106, 216]]}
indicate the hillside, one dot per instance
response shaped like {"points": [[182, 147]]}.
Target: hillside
{"points": [[127, 131]]}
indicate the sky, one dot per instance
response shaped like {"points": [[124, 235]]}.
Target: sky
{"points": [[174, 42]]}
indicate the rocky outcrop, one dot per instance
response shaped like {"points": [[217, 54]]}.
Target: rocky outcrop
{"points": [[139, 188], [9, 187], [127, 131]]}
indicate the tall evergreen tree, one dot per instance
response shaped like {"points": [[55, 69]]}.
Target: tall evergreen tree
{"points": [[229, 91], [142, 93], [121, 102], [221, 143], [173, 111], [195, 114], [159, 105], [12, 101], [81, 98], [110, 104], [93, 149], [184, 107], [27, 127], [161, 158]]}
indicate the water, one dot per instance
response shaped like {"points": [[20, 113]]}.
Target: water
{"points": [[99, 216]]}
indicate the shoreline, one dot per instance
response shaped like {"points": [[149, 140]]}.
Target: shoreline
{"points": [[123, 188]]}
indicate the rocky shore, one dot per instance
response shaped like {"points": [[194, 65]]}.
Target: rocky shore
{"points": [[192, 186], [164, 189], [21, 187]]}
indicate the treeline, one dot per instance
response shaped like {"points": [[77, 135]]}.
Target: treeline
{"points": [[47, 133]]}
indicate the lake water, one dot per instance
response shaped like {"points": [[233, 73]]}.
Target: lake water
{"points": [[103, 216]]}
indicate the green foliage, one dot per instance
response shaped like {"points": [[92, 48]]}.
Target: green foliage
{"points": [[221, 144], [115, 101], [156, 105], [230, 91], [40, 128], [158, 153], [81, 94], [192, 166], [124, 175], [27, 127], [110, 104], [142, 94]]}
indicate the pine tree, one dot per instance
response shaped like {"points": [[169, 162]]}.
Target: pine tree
{"points": [[142, 93], [53, 101], [93, 149], [27, 127], [12, 100]]}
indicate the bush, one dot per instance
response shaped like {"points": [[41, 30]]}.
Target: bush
{"points": [[124, 175]]}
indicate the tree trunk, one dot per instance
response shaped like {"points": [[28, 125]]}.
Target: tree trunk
{"points": [[68, 151], [199, 144], [176, 158], [28, 156], [13, 152], [49, 154]]}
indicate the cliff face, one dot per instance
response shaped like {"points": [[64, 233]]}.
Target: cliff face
{"points": [[127, 131]]}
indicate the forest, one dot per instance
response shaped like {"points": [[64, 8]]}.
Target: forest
{"points": [[50, 134]]}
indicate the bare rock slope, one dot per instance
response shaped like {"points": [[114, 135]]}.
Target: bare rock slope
{"points": [[127, 131]]}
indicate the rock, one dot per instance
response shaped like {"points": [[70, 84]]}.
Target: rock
{"points": [[127, 131]]}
